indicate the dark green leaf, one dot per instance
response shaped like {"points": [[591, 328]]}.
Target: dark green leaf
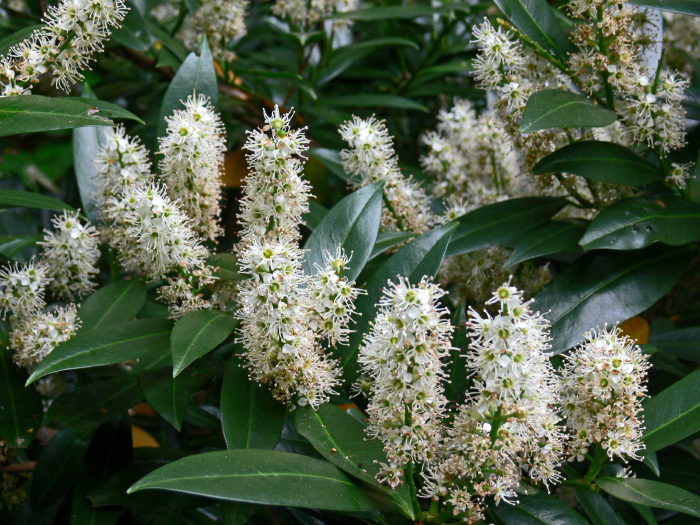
{"points": [[133, 31], [652, 494], [673, 414], [352, 224], [684, 343], [170, 396], [651, 460], [342, 440], [608, 287], [106, 109], [541, 509], [552, 237], [555, 108], [95, 403], [331, 160], [176, 48], [386, 240], [536, 19], [637, 222], [421, 257], [198, 333], [20, 407], [457, 388], [502, 222], [107, 346], [261, 476], [250, 416], [11, 245], [373, 101], [29, 199], [115, 303], [689, 7], [603, 161], [15, 38], [195, 76], [226, 266], [388, 12], [598, 509], [315, 215]]}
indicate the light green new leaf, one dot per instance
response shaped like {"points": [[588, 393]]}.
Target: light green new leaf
{"points": [[352, 224], [198, 333], [556, 108], [29, 199], [107, 346], [113, 304], [673, 414], [266, 477], [20, 408], [652, 494]]}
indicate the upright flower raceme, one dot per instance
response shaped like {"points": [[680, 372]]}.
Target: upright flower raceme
{"points": [[23, 288], [221, 21], [276, 308], [603, 385], [402, 355], [74, 30], [307, 13], [193, 157], [372, 158], [35, 337]]}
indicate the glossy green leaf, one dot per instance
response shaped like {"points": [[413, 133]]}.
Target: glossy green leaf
{"points": [[688, 7], [652, 494], [502, 222], [20, 408], [107, 346], [250, 416], [536, 19], [170, 396], [603, 161], [552, 237], [556, 108], [106, 109], [115, 303], [95, 403], [352, 225], [540, 509], [608, 287], [226, 266], [29, 199], [198, 333], [11, 245], [373, 101], [673, 414], [599, 511], [268, 477], [195, 76], [177, 49], [421, 257], [684, 343], [331, 160], [342, 440], [637, 222], [386, 240]]}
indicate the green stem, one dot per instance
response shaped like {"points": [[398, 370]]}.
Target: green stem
{"points": [[598, 461]]}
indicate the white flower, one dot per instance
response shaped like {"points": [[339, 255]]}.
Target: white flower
{"points": [[35, 336], [23, 288]]}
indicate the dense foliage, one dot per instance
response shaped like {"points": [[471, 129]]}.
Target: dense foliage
{"points": [[349, 262]]}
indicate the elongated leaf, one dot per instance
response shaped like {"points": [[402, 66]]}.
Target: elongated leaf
{"points": [[652, 494], [555, 108], [195, 76], [689, 7], [250, 416], [20, 407], [342, 440], [599, 511], [32, 113], [608, 287], [551, 237], [331, 160], [683, 343], [421, 257], [374, 101], [637, 222], [386, 240], [541, 509], [107, 346], [198, 333], [28, 199], [260, 476], [95, 403], [536, 19], [170, 396], [352, 225], [115, 303], [604, 161], [673, 414], [502, 222], [10, 245]]}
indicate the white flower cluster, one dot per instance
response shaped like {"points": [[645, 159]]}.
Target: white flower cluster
{"points": [[276, 305], [193, 157], [35, 337], [221, 21], [306, 13], [603, 386], [75, 29], [402, 355], [372, 158], [23, 288], [72, 249]]}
